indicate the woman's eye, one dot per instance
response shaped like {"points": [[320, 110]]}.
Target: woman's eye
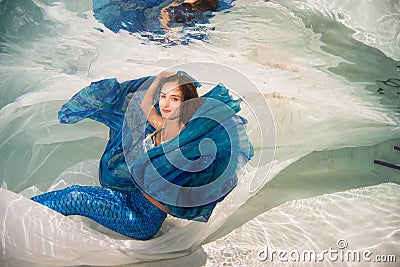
{"points": [[175, 99], [162, 96]]}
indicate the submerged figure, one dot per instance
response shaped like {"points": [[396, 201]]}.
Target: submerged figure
{"points": [[154, 18], [121, 203]]}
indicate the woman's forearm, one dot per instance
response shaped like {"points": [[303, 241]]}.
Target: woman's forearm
{"points": [[148, 98], [149, 111]]}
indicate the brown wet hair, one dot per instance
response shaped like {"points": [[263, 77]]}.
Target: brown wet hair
{"points": [[202, 5]]}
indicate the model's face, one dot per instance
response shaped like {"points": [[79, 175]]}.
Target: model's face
{"points": [[170, 99]]}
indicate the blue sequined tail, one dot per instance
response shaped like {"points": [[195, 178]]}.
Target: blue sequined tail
{"points": [[126, 212]]}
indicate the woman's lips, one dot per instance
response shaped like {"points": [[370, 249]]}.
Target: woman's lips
{"points": [[166, 111]]}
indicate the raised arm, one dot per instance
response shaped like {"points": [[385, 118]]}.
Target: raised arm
{"points": [[148, 109]]}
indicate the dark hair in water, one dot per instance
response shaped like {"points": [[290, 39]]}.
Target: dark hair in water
{"points": [[189, 92], [180, 13], [204, 5]]}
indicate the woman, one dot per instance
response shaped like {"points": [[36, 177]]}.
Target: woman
{"points": [[188, 175], [132, 212]]}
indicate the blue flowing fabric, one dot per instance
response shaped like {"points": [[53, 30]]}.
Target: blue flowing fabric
{"points": [[143, 16], [107, 100]]}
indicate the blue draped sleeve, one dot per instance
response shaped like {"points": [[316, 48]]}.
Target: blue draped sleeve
{"points": [[105, 101], [214, 147]]}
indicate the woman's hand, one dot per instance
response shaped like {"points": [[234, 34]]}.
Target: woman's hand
{"points": [[165, 74]]}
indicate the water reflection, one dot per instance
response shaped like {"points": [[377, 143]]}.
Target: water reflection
{"points": [[358, 62], [156, 18]]}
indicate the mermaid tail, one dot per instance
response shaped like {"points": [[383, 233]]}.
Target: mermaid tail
{"points": [[126, 212]]}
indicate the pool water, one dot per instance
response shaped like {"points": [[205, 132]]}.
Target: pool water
{"points": [[330, 73]]}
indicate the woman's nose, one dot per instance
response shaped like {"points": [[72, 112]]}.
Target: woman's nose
{"points": [[166, 103]]}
